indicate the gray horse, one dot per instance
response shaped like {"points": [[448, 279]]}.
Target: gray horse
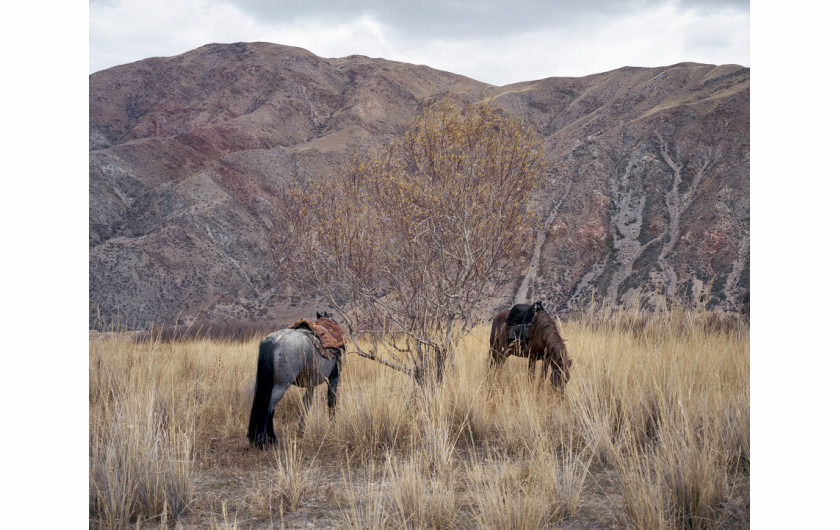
{"points": [[289, 357]]}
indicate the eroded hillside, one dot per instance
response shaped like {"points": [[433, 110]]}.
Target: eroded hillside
{"points": [[187, 153]]}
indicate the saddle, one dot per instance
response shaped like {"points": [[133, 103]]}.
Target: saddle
{"points": [[520, 318], [330, 341]]}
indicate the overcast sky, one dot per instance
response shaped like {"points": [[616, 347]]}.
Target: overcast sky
{"points": [[498, 42]]}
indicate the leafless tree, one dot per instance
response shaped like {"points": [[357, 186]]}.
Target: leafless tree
{"points": [[407, 240]]}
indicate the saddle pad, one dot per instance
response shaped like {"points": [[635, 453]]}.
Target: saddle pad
{"points": [[523, 314], [328, 331], [519, 333]]}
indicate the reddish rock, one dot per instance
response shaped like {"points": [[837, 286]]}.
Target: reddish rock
{"points": [[187, 153]]}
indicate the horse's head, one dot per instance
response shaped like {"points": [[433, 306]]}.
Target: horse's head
{"points": [[560, 359], [560, 376]]}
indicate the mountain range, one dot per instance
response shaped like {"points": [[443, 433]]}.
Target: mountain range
{"points": [[187, 154]]}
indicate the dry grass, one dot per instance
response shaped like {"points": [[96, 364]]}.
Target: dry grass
{"points": [[652, 432]]}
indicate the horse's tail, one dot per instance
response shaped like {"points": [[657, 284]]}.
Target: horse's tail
{"points": [[496, 345], [262, 390]]}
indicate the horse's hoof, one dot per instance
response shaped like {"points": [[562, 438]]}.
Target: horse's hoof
{"points": [[263, 443]]}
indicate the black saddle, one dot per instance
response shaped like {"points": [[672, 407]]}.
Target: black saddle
{"points": [[520, 318]]}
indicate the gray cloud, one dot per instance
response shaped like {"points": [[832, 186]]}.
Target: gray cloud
{"points": [[473, 18], [441, 18]]}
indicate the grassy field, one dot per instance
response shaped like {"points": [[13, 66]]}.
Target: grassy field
{"points": [[653, 431]]}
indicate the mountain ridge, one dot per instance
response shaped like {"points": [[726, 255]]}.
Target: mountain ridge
{"points": [[186, 153]]}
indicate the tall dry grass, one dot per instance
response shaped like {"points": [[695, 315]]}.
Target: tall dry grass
{"points": [[154, 407], [651, 432]]}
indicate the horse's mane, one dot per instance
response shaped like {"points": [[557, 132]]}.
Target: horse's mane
{"points": [[547, 326]]}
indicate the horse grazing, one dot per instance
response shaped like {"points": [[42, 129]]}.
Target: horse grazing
{"points": [[542, 343], [294, 356]]}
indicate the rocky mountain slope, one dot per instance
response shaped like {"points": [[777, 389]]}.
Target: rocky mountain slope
{"points": [[187, 152]]}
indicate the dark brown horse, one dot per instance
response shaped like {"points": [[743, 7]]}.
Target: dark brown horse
{"points": [[543, 343]]}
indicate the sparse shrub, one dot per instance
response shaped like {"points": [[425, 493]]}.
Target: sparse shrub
{"points": [[291, 475], [140, 463], [365, 501], [567, 474], [373, 420], [506, 495], [642, 488], [694, 475], [422, 498], [424, 237], [197, 329]]}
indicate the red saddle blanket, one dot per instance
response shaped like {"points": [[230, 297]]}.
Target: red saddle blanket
{"points": [[327, 330]]}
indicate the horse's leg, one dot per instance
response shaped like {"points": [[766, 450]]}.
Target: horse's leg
{"points": [[332, 390], [494, 357], [307, 402], [270, 436], [498, 346], [276, 395], [498, 355], [532, 364], [546, 364]]}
